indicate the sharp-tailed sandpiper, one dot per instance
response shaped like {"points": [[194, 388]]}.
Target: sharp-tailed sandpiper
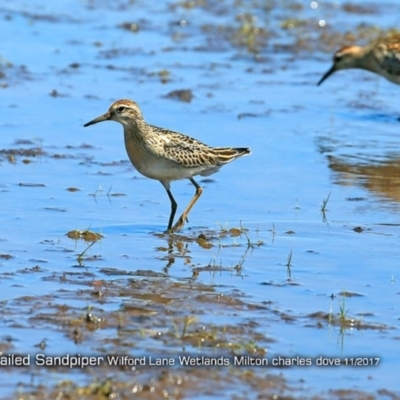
{"points": [[381, 57], [165, 155]]}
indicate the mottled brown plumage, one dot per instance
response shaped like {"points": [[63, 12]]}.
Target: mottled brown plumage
{"points": [[165, 155], [381, 57]]}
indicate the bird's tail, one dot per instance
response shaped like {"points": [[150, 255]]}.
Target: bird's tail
{"points": [[225, 155]]}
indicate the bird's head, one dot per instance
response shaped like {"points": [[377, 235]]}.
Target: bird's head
{"points": [[126, 112], [344, 58]]}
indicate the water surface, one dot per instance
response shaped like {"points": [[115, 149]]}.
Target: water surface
{"points": [[259, 270]]}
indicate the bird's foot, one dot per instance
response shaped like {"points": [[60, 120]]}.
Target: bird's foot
{"points": [[179, 224]]}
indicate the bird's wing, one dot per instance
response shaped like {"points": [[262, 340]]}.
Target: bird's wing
{"points": [[191, 152], [391, 56]]}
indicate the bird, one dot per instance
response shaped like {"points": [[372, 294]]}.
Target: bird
{"points": [[165, 155], [381, 57]]}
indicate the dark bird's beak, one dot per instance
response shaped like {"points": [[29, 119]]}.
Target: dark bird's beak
{"points": [[102, 118], [327, 74]]}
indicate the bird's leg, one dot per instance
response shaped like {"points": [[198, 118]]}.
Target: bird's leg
{"points": [[174, 206], [181, 221]]}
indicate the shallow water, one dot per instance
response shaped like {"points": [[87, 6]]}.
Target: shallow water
{"points": [[273, 272]]}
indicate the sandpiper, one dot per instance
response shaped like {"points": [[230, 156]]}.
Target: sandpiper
{"points": [[165, 155], [381, 57]]}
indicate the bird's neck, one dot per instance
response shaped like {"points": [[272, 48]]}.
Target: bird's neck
{"points": [[367, 60], [135, 131]]}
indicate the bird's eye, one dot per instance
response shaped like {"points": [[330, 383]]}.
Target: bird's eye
{"points": [[121, 109], [337, 58]]}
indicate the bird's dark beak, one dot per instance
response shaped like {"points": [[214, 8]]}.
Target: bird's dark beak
{"points": [[102, 118], [327, 74]]}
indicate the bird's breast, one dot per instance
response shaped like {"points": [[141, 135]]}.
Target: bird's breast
{"points": [[154, 166]]}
